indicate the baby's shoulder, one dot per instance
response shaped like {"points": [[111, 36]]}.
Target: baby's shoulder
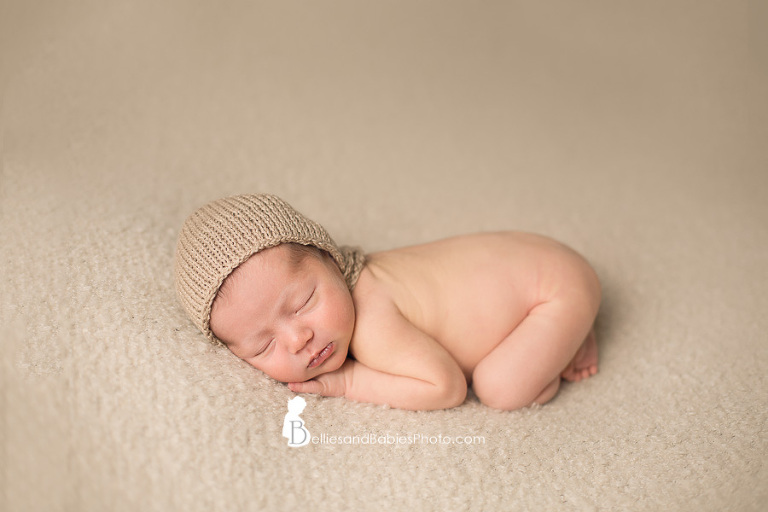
{"points": [[378, 317], [373, 298]]}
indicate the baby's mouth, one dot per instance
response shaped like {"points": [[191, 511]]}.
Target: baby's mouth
{"points": [[321, 356]]}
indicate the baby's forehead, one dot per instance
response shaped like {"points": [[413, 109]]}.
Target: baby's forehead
{"points": [[280, 261]]}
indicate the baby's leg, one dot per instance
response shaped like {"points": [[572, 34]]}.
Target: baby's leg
{"points": [[526, 366]]}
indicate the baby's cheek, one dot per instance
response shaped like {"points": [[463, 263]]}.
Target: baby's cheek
{"points": [[265, 369], [283, 374]]}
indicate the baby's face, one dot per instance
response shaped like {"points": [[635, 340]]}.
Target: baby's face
{"points": [[293, 322]]}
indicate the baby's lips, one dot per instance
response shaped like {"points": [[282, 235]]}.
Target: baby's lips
{"points": [[321, 356]]}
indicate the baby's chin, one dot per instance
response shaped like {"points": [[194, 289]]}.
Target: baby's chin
{"points": [[335, 362]]}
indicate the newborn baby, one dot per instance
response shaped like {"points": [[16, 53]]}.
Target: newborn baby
{"points": [[510, 314]]}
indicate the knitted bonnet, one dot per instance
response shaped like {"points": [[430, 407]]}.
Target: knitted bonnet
{"points": [[222, 234]]}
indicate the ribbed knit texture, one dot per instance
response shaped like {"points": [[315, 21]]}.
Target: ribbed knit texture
{"points": [[222, 234]]}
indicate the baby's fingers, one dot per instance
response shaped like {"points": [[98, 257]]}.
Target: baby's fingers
{"points": [[310, 386], [326, 385]]}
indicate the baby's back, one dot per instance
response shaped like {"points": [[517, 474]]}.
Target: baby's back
{"points": [[469, 292]]}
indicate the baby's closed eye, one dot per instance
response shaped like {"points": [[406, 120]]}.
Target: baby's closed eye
{"points": [[306, 303], [255, 348], [263, 348]]}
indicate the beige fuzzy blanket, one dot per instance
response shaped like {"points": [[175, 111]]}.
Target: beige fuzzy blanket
{"points": [[633, 131]]}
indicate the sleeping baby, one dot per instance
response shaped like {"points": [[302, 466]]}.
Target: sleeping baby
{"points": [[509, 314]]}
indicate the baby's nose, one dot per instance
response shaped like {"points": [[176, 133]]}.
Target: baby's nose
{"points": [[299, 337]]}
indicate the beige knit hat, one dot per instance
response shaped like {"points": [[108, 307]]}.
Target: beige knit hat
{"points": [[222, 234]]}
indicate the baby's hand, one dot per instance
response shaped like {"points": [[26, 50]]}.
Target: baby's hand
{"points": [[328, 384]]}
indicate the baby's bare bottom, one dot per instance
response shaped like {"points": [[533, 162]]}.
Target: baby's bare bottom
{"points": [[554, 341]]}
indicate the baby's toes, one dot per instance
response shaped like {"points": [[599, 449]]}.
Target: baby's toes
{"points": [[588, 372]]}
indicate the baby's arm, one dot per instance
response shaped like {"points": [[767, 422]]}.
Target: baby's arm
{"points": [[396, 364]]}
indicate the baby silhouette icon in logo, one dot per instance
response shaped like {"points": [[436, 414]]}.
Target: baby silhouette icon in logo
{"points": [[293, 426]]}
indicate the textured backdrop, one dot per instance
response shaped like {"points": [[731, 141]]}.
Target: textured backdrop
{"points": [[634, 132]]}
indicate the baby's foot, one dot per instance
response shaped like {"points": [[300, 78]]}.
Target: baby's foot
{"points": [[584, 363]]}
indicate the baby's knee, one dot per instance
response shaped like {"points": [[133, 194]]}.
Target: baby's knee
{"points": [[499, 399], [499, 393]]}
